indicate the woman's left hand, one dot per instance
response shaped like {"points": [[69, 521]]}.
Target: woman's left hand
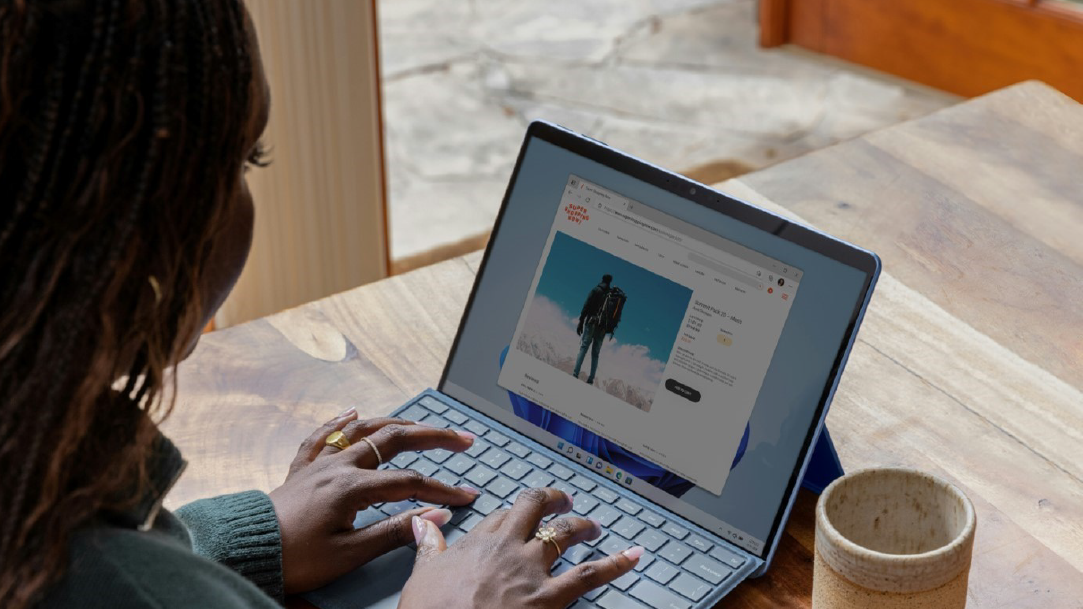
{"points": [[327, 486]]}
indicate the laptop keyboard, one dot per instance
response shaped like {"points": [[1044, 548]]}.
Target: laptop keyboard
{"points": [[678, 570]]}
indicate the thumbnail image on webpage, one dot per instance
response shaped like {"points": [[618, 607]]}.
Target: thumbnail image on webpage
{"points": [[586, 299]]}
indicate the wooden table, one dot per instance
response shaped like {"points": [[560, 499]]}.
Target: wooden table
{"points": [[969, 364]]}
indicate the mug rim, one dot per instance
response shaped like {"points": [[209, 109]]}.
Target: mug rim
{"points": [[909, 562]]}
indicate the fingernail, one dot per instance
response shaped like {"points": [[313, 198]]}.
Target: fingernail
{"points": [[466, 434], [634, 552], [419, 529], [470, 489], [348, 412], [438, 517], [571, 500], [424, 424]]}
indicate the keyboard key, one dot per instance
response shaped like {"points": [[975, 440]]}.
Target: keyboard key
{"points": [[366, 517], [433, 404], [485, 504], [501, 487], [439, 455], [583, 482], [651, 540], [616, 600], [606, 495], [414, 413], [578, 554], [627, 527], [644, 562], [625, 581], [477, 428], [537, 479], [403, 460], [583, 604], [517, 449], [658, 597], [496, 438], [675, 552], [538, 460], [560, 471], [495, 458], [728, 557], [515, 469], [435, 421], [455, 417], [514, 495], [425, 466], [446, 477], [629, 506], [710, 570], [662, 572], [477, 448], [584, 504], [460, 464], [452, 535], [480, 476], [398, 507], [600, 539], [612, 544], [471, 521], [605, 515], [459, 514], [595, 593], [675, 530], [699, 543], [652, 519], [561, 567], [560, 485], [691, 587]]}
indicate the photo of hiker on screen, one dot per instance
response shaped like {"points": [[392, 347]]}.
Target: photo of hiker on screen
{"points": [[570, 322], [599, 316]]}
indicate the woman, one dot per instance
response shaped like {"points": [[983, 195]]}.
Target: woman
{"points": [[126, 129]]}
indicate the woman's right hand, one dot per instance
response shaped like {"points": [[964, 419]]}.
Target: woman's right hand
{"points": [[501, 564]]}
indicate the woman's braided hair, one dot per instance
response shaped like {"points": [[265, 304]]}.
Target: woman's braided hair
{"points": [[122, 127]]}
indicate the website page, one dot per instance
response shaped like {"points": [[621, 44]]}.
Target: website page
{"points": [[650, 333]]}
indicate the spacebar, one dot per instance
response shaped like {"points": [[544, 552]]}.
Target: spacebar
{"points": [[616, 600]]}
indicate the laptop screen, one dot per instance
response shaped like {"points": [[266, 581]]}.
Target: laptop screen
{"points": [[674, 349]]}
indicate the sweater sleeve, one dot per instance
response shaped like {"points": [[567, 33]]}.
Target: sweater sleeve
{"points": [[239, 531]]}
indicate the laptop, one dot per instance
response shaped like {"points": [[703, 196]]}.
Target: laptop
{"points": [[659, 350]]}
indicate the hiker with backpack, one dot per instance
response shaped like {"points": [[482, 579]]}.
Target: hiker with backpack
{"points": [[599, 316]]}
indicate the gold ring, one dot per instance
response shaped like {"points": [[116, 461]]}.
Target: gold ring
{"points": [[379, 457], [338, 440], [549, 535]]}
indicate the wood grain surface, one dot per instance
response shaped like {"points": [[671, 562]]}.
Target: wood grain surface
{"points": [[968, 364], [967, 47]]}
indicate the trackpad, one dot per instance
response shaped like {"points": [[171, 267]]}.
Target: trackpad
{"points": [[376, 585]]}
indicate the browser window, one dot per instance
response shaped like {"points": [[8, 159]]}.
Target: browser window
{"points": [[648, 332]]}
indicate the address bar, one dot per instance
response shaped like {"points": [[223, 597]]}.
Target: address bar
{"points": [[694, 256], [649, 226]]}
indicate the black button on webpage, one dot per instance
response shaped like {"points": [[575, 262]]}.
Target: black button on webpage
{"points": [[682, 390]]}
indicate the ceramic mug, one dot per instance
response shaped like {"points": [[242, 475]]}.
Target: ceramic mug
{"points": [[892, 538]]}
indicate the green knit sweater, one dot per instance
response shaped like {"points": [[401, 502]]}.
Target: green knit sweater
{"points": [[224, 552]]}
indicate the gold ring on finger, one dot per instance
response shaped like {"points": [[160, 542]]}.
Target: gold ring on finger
{"points": [[548, 534], [379, 457], [338, 440]]}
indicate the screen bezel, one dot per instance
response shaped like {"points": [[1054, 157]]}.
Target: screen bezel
{"points": [[835, 249]]}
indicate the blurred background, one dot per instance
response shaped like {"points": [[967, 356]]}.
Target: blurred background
{"points": [[395, 123]]}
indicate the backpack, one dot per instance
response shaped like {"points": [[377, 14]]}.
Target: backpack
{"points": [[608, 315]]}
